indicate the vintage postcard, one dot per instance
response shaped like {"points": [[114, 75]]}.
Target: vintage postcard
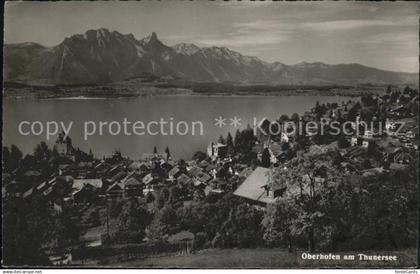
{"points": [[210, 134]]}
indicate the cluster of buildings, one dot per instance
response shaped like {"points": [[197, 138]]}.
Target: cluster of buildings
{"points": [[111, 179], [87, 182], [370, 150]]}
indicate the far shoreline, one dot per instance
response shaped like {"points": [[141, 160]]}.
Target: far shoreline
{"points": [[131, 89], [162, 95]]}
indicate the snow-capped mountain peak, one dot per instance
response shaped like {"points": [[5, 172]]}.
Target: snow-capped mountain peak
{"points": [[186, 49]]}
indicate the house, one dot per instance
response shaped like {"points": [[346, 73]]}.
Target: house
{"points": [[63, 145], [201, 179], [58, 209], [184, 180], [28, 193], [132, 187], [403, 158], [368, 134], [87, 193], [80, 183], [63, 169], [368, 142], [41, 186], [390, 125], [166, 166], [217, 150], [93, 236], [275, 190], [194, 171], [137, 166], [356, 141], [66, 259], [117, 177], [184, 239], [274, 150], [101, 166], [174, 173], [192, 163], [210, 190], [148, 179], [284, 138], [210, 168], [255, 187], [398, 167], [115, 191]]}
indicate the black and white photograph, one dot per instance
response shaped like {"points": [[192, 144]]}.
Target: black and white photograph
{"points": [[210, 135]]}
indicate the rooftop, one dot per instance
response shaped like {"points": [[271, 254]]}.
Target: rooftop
{"points": [[253, 187]]}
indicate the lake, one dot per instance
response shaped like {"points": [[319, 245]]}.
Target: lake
{"points": [[174, 109]]}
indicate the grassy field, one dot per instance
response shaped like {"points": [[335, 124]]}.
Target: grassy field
{"points": [[262, 258]]}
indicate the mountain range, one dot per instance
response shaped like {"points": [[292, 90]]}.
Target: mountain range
{"points": [[103, 56]]}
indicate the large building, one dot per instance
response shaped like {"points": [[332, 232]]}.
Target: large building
{"points": [[217, 150], [259, 187]]}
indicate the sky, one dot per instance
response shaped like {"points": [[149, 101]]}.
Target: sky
{"points": [[377, 34]]}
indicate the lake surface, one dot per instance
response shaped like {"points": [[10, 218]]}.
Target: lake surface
{"points": [[145, 109]]}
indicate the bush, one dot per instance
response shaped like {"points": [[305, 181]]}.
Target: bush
{"points": [[342, 142]]}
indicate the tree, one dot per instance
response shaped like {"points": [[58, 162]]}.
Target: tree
{"points": [[133, 221], [295, 117], [90, 155], [6, 160], [307, 194], [366, 114], [168, 153], [174, 194], [342, 142], [221, 140], [242, 227], [284, 118], [165, 220], [42, 153], [150, 198], [24, 229], [237, 140], [66, 231], [366, 164], [265, 158], [15, 157], [199, 156], [353, 112], [229, 144], [278, 222]]}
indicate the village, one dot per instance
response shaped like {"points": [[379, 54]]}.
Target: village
{"points": [[255, 168]]}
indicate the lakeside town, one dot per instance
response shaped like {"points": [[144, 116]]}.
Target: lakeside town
{"points": [[305, 191]]}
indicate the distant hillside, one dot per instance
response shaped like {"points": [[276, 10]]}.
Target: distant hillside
{"points": [[102, 56]]}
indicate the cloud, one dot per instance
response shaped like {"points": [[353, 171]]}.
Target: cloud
{"points": [[340, 25], [245, 40], [405, 40], [245, 4], [256, 33]]}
